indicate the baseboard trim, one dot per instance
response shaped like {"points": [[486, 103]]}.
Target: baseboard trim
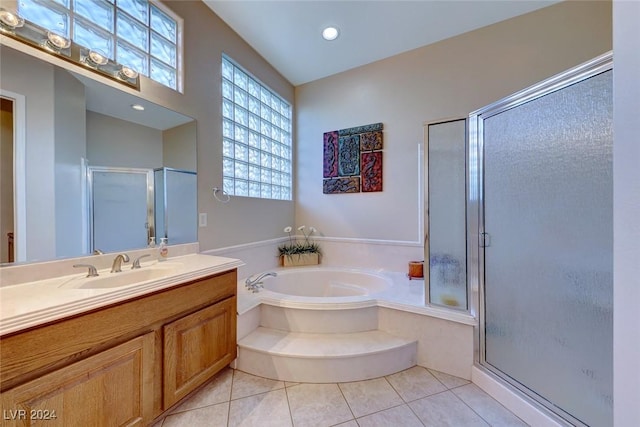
{"points": [[529, 413]]}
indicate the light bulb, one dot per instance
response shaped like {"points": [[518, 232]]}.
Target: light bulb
{"points": [[97, 57], [128, 72], [57, 41], [10, 19]]}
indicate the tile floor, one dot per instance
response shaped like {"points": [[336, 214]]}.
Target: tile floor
{"points": [[414, 397]]}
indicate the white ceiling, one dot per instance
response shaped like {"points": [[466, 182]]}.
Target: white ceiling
{"points": [[287, 33]]}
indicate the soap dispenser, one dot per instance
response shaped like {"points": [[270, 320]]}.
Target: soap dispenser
{"points": [[163, 249]]}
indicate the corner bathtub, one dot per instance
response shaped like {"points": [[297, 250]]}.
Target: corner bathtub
{"points": [[325, 283]]}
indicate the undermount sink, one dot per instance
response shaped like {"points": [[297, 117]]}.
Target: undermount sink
{"points": [[124, 278]]}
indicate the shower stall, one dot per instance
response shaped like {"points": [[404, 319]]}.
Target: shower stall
{"points": [[540, 205], [128, 206], [519, 233]]}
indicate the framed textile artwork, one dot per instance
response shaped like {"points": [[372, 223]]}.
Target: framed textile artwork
{"points": [[352, 160]]}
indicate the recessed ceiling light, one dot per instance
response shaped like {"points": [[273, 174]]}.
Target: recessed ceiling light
{"points": [[330, 33], [137, 107]]}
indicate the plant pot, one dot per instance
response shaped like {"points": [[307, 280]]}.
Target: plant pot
{"points": [[297, 260]]}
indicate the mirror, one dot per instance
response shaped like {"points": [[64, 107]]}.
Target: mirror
{"points": [[58, 127]]}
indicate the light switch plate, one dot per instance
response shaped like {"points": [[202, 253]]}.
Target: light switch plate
{"points": [[202, 219]]}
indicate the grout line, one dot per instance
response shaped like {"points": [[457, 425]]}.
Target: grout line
{"points": [[469, 406], [233, 376], [286, 395], [347, 402]]}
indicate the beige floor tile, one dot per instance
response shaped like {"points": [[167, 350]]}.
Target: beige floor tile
{"points": [[218, 390], [351, 423], [487, 407], [247, 385], [367, 397], [415, 383], [263, 410], [445, 410], [449, 380], [316, 405], [288, 384], [210, 416], [398, 416]]}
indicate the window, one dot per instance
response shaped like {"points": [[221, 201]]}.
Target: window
{"points": [[256, 143], [140, 34]]}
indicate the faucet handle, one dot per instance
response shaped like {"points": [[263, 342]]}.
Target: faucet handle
{"points": [[92, 270], [136, 262]]}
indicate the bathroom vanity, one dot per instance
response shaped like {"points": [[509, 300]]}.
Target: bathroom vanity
{"points": [[126, 361]]}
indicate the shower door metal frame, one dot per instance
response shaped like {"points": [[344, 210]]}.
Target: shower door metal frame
{"points": [[470, 307], [475, 212], [165, 207]]}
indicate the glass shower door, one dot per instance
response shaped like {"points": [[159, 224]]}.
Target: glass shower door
{"points": [[547, 190], [121, 209], [446, 245], [176, 205]]}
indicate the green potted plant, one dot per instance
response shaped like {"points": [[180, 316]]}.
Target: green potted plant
{"points": [[297, 253]]}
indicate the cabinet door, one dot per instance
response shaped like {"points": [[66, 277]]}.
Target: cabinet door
{"points": [[111, 388], [196, 347]]}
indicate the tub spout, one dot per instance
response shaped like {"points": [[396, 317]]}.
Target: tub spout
{"points": [[255, 284]]}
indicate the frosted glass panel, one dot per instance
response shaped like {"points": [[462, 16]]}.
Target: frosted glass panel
{"points": [[447, 223], [119, 211], [176, 205], [548, 271], [182, 207]]}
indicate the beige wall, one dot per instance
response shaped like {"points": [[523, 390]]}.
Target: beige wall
{"points": [[70, 137], [118, 143], [24, 75], [207, 37], [178, 147], [444, 80]]}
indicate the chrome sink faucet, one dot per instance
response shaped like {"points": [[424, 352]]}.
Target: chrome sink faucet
{"points": [[255, 284], [117, 262]]}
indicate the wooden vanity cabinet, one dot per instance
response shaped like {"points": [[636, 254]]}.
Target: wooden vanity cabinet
{"points": [[196, 347], [120, 365], [109, 388]]}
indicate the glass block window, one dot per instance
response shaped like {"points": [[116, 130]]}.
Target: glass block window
{"points": [[256, 137], [140, 34]]}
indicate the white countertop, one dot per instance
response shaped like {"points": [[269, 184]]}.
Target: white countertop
{"points": [[30, 304]]}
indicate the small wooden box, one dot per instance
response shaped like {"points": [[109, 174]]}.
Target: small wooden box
{"points": [[297, 260]]}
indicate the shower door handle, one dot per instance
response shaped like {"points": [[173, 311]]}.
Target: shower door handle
{"points": [[484, 240]]}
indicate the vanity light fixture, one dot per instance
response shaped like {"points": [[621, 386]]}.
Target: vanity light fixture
{"points": [[137, 107], [10, 20], [15, 27], [330, 33], [57, 41]]}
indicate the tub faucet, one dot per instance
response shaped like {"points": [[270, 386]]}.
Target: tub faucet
{"points": [[255, 284], [117, 262]]}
